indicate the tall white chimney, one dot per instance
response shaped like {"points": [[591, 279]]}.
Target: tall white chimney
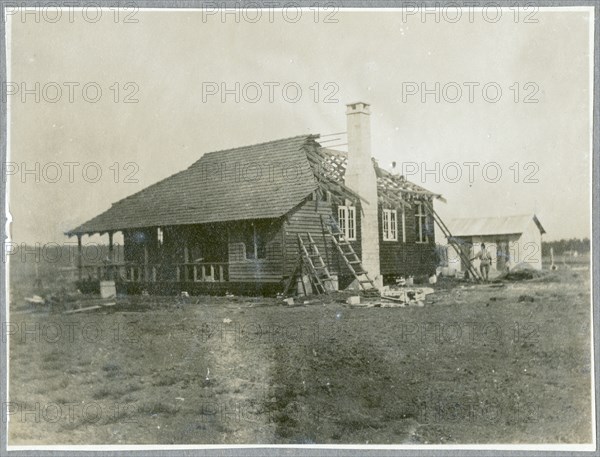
{"points": [[361, 178]]}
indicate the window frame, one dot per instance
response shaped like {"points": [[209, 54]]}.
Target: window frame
{"points": [[347, 221], [421, 224], [403, 225], [390, 224], [256, 247]]}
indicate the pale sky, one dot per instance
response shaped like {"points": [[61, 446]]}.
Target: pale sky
{"points": [[366, 56]]}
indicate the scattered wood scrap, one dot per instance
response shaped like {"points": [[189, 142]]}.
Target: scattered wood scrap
{"points": [[81, 310], [99, 305], [405, 296]]}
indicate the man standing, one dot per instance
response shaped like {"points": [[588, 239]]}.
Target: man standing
{"points": [[485, 259]]}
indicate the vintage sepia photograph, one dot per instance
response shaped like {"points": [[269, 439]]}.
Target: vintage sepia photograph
{"points": [[309, 226]]}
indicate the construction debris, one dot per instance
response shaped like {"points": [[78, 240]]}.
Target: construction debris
{"points": [[97, 305], [354, 300], [81, 310], [404, 296], [35, 301]]}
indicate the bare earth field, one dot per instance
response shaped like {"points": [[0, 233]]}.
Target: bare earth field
{"points": [[476, 364]]}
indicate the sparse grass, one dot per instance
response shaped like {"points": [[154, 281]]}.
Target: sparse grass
{"points": [[158, 407], [123, 413], [388, 368], [62, 399], [111, 370], [102, 393], [336, 375], [166, 380], [114, 391]]}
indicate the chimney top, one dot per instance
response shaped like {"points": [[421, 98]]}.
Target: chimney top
{"points": [[358, 107]]}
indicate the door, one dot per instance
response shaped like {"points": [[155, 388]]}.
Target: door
{"points": [[466, 254], [501, 255]]}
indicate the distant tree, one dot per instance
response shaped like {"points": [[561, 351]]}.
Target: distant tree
{"points": [[581, 245]]}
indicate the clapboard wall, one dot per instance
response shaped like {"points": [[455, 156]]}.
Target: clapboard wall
{"points": [[405, 258]]}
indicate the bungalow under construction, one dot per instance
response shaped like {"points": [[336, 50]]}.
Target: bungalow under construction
{"points": [[240, 219]]}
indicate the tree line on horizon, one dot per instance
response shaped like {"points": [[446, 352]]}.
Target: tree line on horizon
{"points": [[581, 245]]}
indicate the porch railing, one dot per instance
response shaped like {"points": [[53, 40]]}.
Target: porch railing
{"points": [[181, 272]]}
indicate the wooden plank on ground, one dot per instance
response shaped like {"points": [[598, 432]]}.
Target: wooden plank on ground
{"points": [[81, 310]]}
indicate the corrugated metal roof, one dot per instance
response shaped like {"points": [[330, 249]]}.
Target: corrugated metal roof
{"points": [[505, 225]]}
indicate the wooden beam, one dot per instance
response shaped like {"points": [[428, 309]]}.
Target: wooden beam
{"points": [[318, 158]]}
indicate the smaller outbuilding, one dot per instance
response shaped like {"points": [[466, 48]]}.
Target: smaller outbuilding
{"points": [[512, 241]]}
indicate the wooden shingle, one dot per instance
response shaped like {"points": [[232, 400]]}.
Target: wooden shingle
{"points": [[259, 181]]}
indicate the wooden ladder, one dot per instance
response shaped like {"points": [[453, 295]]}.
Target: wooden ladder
{"points": [[351, 258], [311, 261], [452, 241]]}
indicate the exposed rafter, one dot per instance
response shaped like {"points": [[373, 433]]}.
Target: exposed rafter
{"points": [[394, 190]]}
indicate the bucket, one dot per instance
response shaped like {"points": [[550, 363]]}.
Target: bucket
{"points": [[108, 289]]}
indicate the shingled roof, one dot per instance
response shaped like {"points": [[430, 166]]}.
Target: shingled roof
{"points": [[252, 182], [260, 181]]}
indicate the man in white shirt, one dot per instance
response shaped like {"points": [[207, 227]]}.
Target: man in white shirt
{"points": [[485, 259]]}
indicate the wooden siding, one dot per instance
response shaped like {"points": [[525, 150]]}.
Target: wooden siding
{"points": [[411, 258], [396, 257], [269, 269], [338, 264], [307, 218]]}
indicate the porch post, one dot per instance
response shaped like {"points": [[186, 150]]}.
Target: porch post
{"points": [[111, 272], [79, 258], [284, 227], [145, 261], [185, 261]]}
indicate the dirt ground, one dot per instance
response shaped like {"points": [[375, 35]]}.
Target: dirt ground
{"points": [[505, 362]]}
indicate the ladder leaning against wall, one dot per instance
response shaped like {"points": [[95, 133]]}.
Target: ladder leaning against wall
{"points": [[453, 242], [349, 255]]}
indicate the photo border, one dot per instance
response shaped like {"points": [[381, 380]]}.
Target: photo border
{"points": [[312, 450]]}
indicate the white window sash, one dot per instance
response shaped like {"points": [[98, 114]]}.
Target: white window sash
{"points": [[342, 216], [385, 224], [403, 226], [351, 232], [421, 221], [390, 224], [347, 222]]}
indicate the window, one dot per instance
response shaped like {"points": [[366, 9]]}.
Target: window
{"points": [[421, 223], [403, 226], [347, 221], [255, 240], [159, 236], [390, 224]]}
